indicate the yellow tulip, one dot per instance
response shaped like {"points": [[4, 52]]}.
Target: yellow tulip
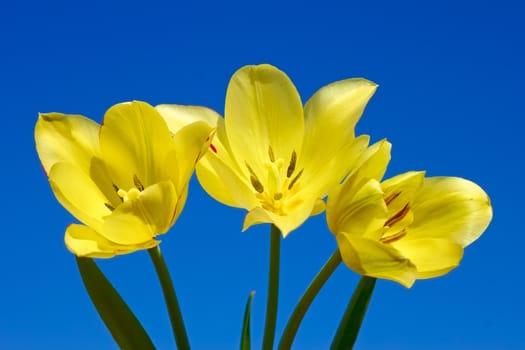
{"points": [[407, 227], [126, 180], [275, 158]]}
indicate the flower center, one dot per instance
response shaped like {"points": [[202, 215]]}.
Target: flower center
{"points": [[279, 182], [128, 195], [400, 217]]}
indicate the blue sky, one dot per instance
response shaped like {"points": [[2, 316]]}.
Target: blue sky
{"points": [[450, 99]]}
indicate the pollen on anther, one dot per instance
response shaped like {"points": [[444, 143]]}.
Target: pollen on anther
{"points": [[291, 167], [391, 198], [295, 179], [137, 183], [257, 185], [278, 196], [398, 216], [271, 154], [394, 237]]}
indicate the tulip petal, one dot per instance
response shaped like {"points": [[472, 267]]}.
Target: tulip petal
{"points": [[285, 223], [221, 177], [77, 192], [135, 140], [191, 142], [221, 182], [371, 258], [432, 257], [83, 241], [452, 208], [262, 110], [320, 179], [357, 210], [179, 116], [138, 220], [66, 138], [374, 160], [330, 118]]}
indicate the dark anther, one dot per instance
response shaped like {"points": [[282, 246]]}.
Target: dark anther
{"points": [[390, 198], [270, 154], [109, 206], [399, 216], [278, 196], [115, 187], [291, 167], [137, 183], [257, 185], [295, 179]]}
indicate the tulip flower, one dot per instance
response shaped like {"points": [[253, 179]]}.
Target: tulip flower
{"points": [[275, 158], [126, 180], [408, 227]]}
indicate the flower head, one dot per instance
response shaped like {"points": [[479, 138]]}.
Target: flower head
{"points": [[275, 158], [126, 180], [407, 227]]}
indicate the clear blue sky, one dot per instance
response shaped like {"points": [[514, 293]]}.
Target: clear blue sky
{"points": [[450, 100]]}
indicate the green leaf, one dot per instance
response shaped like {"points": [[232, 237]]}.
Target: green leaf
{"points": [[355, 312], [245, 337], [119, 319]]}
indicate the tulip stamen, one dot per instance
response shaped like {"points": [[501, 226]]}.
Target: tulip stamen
{"points": [[115, 187], [294, 180], [271, 154], [398, 216], [291, 166], [137, 183], [257, 185], [391, 198], [275, 192], [395, 237]]}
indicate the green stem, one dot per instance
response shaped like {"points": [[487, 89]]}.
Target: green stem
{"points": [[177, 323], [306, 300], [273, 288], [350, 325]]}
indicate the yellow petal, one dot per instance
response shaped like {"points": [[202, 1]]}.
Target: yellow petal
{"points": [[135, 140], [138, 220], [374, 160], [318, 180], [358, 210], [191, 142], [181, 202], [432, 257], [319, 207], [330, 118], [452, 208], [157, 205], [179, 116], [285, 223], [85, 242], [401, 190], [77, 192], [66, 138], [262, 110], [220, 175], [371, 258], [221, 182]]}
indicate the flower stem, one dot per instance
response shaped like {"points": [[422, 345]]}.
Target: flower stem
{"points": [[177, 323], [273, 288], [306, 300], [350, 325]]}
